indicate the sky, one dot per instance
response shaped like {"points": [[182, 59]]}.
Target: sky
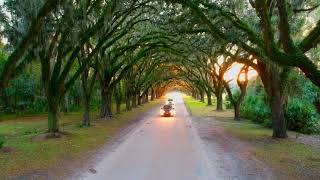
{"points": [[232, 74]]}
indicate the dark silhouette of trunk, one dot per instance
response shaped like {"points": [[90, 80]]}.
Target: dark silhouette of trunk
{"points": [[128, 103], [87, 91], [134, 100], [139, 98], [236, 102], [219, 100], [152, 94], [128, 95], [209, 99], [117, 91], [237, 112], [66, 104], [86, 114], [106, 103], [146, 96], [53, 115], [201, 96], [128, 100]]}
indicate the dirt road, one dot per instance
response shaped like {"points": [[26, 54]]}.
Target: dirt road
{"points": [[164, 148]]}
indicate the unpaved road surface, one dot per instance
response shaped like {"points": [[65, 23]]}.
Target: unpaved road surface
{"points": [[164, 148]]}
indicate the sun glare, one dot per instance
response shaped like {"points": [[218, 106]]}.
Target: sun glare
{"points": [[232, 74]]}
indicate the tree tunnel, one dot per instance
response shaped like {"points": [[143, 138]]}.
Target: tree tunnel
{"points": [[131, 50]]}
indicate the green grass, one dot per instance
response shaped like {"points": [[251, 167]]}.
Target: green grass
{"points": [[40, 155], [293, 159], [198, 108]]}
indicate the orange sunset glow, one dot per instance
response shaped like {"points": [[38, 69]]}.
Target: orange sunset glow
{"points": [[233, 72]]}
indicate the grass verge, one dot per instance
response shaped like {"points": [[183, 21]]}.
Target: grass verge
{"points": [[291, 158], [198, 108], [30, 156]]}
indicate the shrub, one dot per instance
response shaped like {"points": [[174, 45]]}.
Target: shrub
{"points": [[2, 141], [300, 111], [254, 108], [301, 115]]}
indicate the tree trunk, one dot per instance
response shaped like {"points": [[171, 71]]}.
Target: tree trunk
{"points": [[219, 101], [201, 96], [106, 103], [277, 108], [53, 118], [152, 94], [147, 96], [86, 114], [209, 100], [128, 103], [134, 100], [271, 79], [278, 120], [139, 99], [237, 112], [118, 97], [66, 104], [128, 98]]}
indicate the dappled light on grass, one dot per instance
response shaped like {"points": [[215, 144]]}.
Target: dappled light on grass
{"points": [[198, 108]]}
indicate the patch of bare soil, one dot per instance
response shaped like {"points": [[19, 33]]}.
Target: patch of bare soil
{"points": [[46, 136], [311, 140], [230, 156], [7, 150], [26, 118]]}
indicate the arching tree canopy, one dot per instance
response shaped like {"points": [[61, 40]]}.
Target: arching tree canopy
{"points": [[128, 50]]}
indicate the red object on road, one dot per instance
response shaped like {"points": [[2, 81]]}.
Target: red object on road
{"points": [[167, 111]]}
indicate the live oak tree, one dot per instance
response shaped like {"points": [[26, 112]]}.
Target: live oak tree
{"points": [[252, 28], [88, 81], [236, 99], [71, 27], [33, 25], [115, 64], [146, 47]]}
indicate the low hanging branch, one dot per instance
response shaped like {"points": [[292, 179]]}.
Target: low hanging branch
{"points": [[308, 10], [26, 42]]}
